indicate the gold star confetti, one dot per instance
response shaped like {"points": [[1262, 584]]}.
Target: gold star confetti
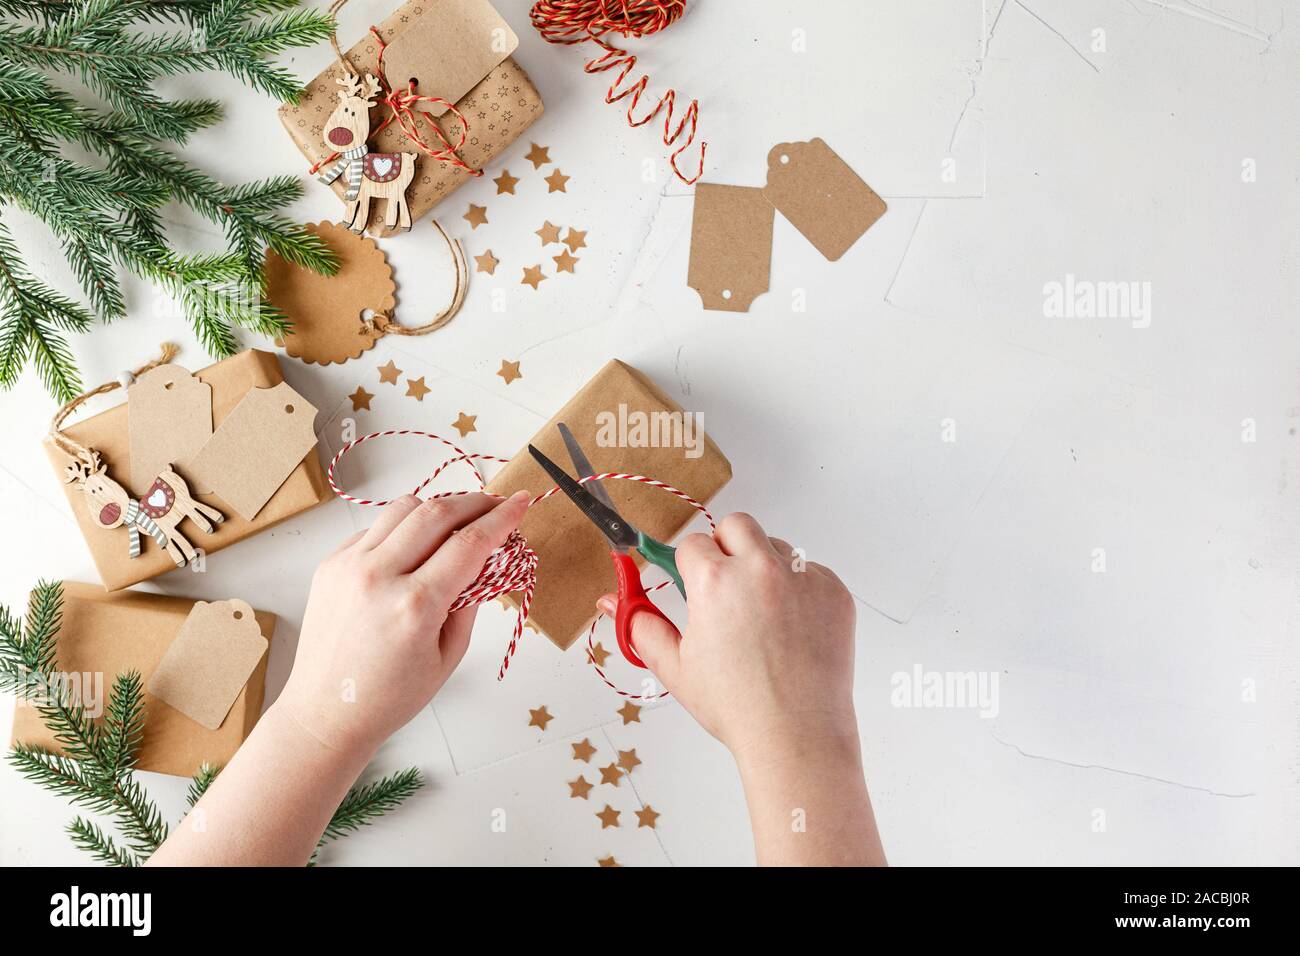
{"points": [[509, 371], [630, 712], [388, 373], [610, 774], [549, 233], [556, 182], [583, 750], [506, 183], [539, 156], [476, 216], [360, 399], [608, 817], [464, 424], [486, 263], [533, 276], [539, 717], [579, 788], [627, 759], [647, 817], [608, 861], [565, 262], [598, 654], [416, 388], [575, 240]]}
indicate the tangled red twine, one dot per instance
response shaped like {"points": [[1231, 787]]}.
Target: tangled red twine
{"points": [[577, 21], [513, 566]]}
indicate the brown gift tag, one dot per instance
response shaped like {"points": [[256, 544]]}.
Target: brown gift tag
{"points": [[169, 417], [448, 54], [817, 191], [731, 246], [326, 310], [255, 448], [210, 661]]}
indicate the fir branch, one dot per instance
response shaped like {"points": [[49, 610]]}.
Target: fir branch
{"points": [[199, 785], [123, 724], [364, 804], [86, 836]]}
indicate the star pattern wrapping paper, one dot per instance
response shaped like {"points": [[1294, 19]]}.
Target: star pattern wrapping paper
{"points": [[497, 110]]}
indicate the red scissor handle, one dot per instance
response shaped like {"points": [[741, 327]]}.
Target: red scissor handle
{"points": [[631, 598]]}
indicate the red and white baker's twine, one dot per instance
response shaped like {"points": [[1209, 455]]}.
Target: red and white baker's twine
{"points": [[513, 566]]}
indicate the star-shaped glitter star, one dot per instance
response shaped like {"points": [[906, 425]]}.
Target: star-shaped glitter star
{"points": [[610, 774], [416, 388], [647, 817], [597, 655], [608, 817], [464, 424], [565, 262], [360, 399], [533, 276], [583, 750], [549, 233], [476, 216], [576, 239], [509, 371], [556, 182], [630, 712], [608, 861], [506, 183], [388, 373], [539, 156], [579, 788], [486, 262], [539, 717], [627, 759]]}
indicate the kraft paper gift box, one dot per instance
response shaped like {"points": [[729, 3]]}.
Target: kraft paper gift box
{"points": [[107, 434], [574, 566], [499, 103], [109, 634]]}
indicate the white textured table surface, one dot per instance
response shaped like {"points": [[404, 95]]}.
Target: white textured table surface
{"points": [[1145, 713]]}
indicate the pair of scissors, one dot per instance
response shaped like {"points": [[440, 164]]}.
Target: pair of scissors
{"points": [[593, 501]]}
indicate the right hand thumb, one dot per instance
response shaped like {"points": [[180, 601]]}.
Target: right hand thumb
{"points": [[653, 638]]}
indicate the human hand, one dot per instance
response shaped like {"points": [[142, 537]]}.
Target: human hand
{"points": [[767, 651], [377, 639]]}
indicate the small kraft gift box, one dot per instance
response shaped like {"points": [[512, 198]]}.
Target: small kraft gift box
{"points": [[456, 50]]}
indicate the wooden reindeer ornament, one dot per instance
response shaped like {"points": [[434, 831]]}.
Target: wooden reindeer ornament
{"points": [[368, 175], [157, 514]]}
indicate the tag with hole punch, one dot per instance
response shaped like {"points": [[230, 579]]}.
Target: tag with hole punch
{"points": [[822, 197], [169, 417], [731, 246]]}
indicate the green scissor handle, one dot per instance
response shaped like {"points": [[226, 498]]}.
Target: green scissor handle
{"points": [[661, 556]]}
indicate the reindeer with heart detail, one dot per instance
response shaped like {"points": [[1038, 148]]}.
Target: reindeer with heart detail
{"points": [[163, 507], [368, 175]]}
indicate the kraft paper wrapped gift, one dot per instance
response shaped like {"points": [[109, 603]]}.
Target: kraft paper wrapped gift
{"points": [[107, 433], [108, 634], [498, 104], [574, 567]]}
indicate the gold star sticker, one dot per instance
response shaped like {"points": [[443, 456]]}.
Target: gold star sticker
{"points": [[416, 388], [627, 759], [565, 262], [598, 655], [583, 750], [506, 183], [549, 233], [533, 276], [388, 373], [608, 861], [486, 263], [579, 787], [539, 156], [556, 182], [360, 399], [608, 817], [630, 712], [575, 240], [647, 817], [464, 424], [476, 216], [610, 774], [539, 717], [509, 371]]}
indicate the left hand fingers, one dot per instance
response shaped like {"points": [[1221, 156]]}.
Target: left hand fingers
{"points": [[455, 565], [426, 528]]}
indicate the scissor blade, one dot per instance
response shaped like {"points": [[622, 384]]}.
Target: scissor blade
{"points": [[583, 464], [609, 521]]}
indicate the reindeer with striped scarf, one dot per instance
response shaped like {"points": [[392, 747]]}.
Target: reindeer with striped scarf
{"points": [[162, 508]]}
